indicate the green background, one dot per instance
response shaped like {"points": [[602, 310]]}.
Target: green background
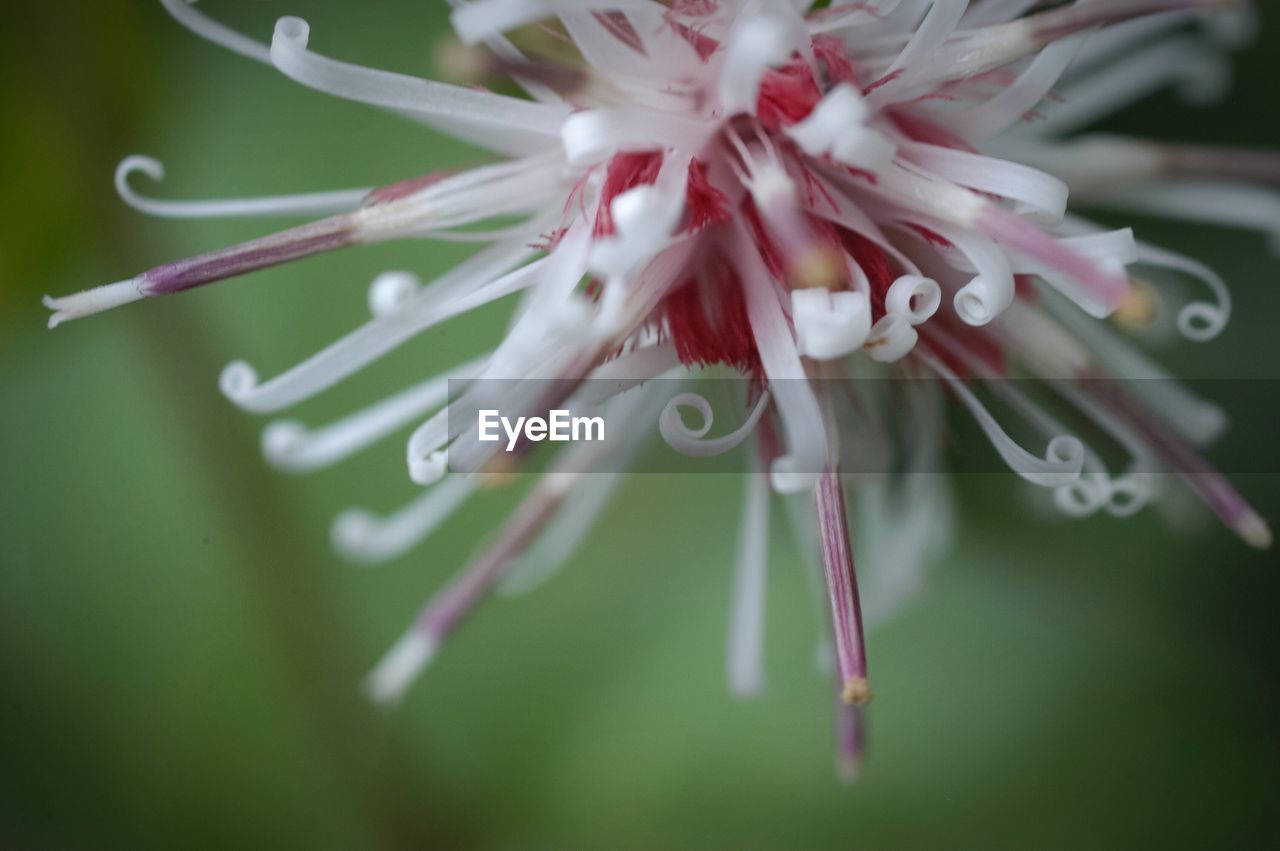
{"points": [[180, 652]]}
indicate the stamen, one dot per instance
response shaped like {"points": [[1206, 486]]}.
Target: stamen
{"points": [[314, 238], [497, 122], [93, 301], [477, 281], [891, 339], [694, 441], [755, 43], [914, 297], [1200, 70], [830, 325], [308, 204], [1109, 287], [292, 447], [367, 538], [1064, 457], [207, 28], [842, 587], [447, 609], [977, 51], [795, 400]]}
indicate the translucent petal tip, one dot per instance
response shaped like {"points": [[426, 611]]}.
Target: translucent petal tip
{"points": [[92, 301], [400, 667], [849, 769], [1255, 531]]}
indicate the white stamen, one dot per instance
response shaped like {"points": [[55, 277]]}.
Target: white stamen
{"points": [[1064, 458], [366, 538], [1255, 531], [795, 401], [914, 297], [1036, 192], [1199, 320], [92, 301], [436, 303], [756, 42], [479, 20], [392, 292], [1202, 71], [401, 666], [308, 204], [830, 325], [292, 447], [1194, 418], [1019, 98], [694, 441], [594, 135], [215, 32], [506, 124], [891, 339], [644, 219], [840, 111]]}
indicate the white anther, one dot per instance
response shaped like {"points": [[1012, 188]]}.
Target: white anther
{"points": [[830, 325], [755, 44], [842, 111], [643, 219], [586, 138], [865, 149]]}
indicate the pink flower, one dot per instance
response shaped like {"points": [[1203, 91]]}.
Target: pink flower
{"points": [[799, 195]]}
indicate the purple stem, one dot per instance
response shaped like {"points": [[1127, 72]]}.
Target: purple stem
{"points": [[842, 586], [1211, 486], [292, 244], [451, 605]]}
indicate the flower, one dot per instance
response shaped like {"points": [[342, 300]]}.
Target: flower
{"points": [[797, 194]]}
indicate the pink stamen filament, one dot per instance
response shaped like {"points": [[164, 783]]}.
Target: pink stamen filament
{"points": [[842, 586]]}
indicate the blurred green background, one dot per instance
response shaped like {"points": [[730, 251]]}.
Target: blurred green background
{"points": [[181, 652]]}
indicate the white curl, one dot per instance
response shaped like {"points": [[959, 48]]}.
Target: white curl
{"points": [[694, 442], [1083, 497], [429, 469], [914, 297], [892, 338], [281, 441], [238, 381], [391, 292]]}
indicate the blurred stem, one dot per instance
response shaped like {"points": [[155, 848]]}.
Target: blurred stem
{"points": [[91, 99], [295, 597]]}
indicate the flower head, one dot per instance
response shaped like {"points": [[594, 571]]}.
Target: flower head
{"points": [[795, 193]]}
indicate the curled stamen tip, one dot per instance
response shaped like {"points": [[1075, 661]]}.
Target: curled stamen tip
{"points": [[1255, 531], [856, 692], [89, 302]]}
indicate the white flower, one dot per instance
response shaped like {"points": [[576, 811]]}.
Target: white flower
{"points": [[798, 194]]}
